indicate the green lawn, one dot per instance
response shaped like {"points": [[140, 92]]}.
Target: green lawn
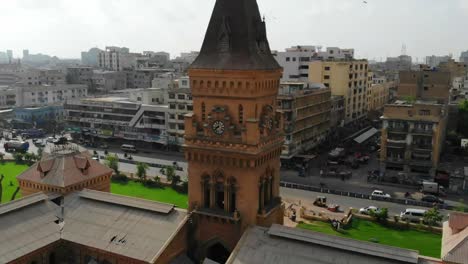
{"points": [[428, 244], [136, 189], [10, 170]]}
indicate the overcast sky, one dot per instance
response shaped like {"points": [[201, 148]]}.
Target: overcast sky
{"points": [[376, 30]]}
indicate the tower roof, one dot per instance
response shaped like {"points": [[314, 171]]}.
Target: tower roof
{"points": [[236, 39]]}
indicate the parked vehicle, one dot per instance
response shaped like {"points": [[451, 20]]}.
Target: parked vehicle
{"points": [[50, 139], [413, 215], [17, 146], [336, 154], [433, 188], [367, 210], [432, 199], [380, 194], [128, 148]]}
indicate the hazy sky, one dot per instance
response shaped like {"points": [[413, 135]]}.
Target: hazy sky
{"points": [[376, 30]]}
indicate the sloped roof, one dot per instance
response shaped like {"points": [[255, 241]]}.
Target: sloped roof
{"points": [[99, 220], [455, 245], [236, 39], [63, 170], [280, 244]]}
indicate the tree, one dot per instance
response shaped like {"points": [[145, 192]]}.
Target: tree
{"points": [[112, 161], [141, 170], [28, 157], [39, 153], [18, 157], [171, 175], [380, 216], [432, 217]]}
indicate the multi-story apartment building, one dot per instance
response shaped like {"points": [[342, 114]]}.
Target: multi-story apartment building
{"points": [[295, 60], [378, 93], [7, 97], [400, 63], [337, 114], [80, 75], [347, 78], [414, 127], [179, 98], [106, 81], [42, 95], [33, 77], [114, 118], [90, 58], [464, 57], [143, 78], [304, 111], [116, 59], [434, 61]]}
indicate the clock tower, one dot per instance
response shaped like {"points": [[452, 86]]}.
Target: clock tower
{"points": [[233, 141]]}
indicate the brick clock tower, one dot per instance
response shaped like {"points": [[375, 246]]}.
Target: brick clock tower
{"points": [[232, 140]]}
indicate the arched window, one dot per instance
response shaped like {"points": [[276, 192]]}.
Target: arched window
{"points": [[224, 84], [241, 114], [239, 85], [203, 111], [216, 84], [209, 84]]}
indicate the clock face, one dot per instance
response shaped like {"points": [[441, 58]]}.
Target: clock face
{"points": [[218, 127]]}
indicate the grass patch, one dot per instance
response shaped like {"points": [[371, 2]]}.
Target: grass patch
{"points": [[10, 170], [428, 244], [137, 189]]}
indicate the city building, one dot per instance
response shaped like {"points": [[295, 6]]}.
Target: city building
{"points": [[434, 61], [337, 113], [116, 59], [125, 119], [179, 99], [304, 111], [347, 78], [91, 57], [65, 169], [34, 77], [378, 93], [41, 117], [400, 63], [143, 77], [295, 60], [10, 74], [188, 57], [7, 97], [106, 81], [42, 95], [80, 75], [414, 127], [464, 57]]}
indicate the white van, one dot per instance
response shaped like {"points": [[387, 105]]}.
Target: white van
{"points": [[414, 215], [128, 148]]}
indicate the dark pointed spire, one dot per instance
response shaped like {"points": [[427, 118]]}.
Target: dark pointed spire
{"points": [[236, 39]]}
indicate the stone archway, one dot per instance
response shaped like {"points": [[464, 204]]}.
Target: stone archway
{"points": [[217, 250]]}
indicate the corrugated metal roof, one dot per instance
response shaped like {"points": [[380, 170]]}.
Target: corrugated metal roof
{"points": [[362, 138], [127, 201], [281, 244]]}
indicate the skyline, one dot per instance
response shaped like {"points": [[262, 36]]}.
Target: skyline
{"points": [[65, 28]]}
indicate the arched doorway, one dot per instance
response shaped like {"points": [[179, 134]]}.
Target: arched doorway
{"points": [[217, 252], [52, 258]]}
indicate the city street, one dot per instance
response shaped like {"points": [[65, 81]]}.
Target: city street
{"points": [[307, 197]]}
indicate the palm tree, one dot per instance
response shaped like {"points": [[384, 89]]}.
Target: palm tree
{"points": [[112, 161], [141, 170]]}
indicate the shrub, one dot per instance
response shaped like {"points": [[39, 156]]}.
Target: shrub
{"points": [[120, 178], [380, 216], [432, 217]]}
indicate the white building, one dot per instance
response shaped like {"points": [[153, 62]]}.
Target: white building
{"points": [[127, 119], [179, 99], [107, 81], [295, 60], [116, 59], [7, 97], [42, 95], [464, 57], [434, 61], [188, 57]]}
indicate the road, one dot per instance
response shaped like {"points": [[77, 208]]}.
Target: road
{"points": [[346, 202]]}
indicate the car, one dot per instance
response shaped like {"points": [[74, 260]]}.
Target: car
{"points": [[367, 210], [50, 139], [432, 199], [380, 194], [104, 146]]}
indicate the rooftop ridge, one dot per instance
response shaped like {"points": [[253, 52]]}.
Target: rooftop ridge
{"points": [[22, 202], [348, 244], [132, 202]]}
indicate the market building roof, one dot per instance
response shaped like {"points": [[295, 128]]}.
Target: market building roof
{"points": [[455, 239]]}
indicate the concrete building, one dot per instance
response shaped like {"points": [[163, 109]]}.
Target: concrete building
{"points": [[42, 95], [80, 75], [7, 97], [188, 57], [91, 57], [143, 77], [122, 120], [414, 128], [464, 57], [41, 117], [378, 93], [116, 59], [179, 99], [347, 78], [434, 61], [295, 60], [304, 111], [337, 114], [34, 77], [400, 63], [106, 81]]}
